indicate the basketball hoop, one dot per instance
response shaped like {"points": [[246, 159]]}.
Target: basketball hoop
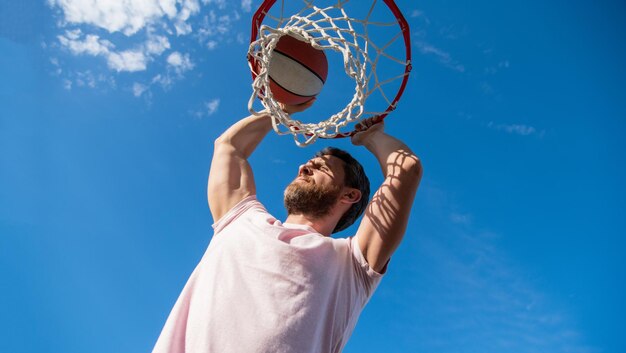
{"points": [[374, 43]]}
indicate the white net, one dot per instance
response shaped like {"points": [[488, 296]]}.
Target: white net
{"points": [[362, 50]]}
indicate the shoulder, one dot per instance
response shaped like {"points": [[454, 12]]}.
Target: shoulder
{"points": [[360, 276], [360, 261], [246, 207]]}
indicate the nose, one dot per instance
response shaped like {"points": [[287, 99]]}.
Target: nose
{"points": [[305, 169]]}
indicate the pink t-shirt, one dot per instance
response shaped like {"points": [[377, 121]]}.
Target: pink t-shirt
{"points": [[265, 286]]}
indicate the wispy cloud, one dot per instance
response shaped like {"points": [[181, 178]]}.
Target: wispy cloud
{"points": [[452, 32], [466, 290], [88, 79], [221, 4], [131, 60], [461, 218], [516, 129], [211, 44], [209, 108], [442, 56], [416, 13], [180, 62], [177, 65], [139, 89], [126, 16], [246, 5], [189, 7], [134, 36], [492, 70], [67, 84], [216, 26], [90, 45], [427, 47]]}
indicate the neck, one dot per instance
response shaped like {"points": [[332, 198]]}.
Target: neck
{"points": [[323, 225]]}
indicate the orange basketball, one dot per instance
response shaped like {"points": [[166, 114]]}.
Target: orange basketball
{"points": [[297, 71]]}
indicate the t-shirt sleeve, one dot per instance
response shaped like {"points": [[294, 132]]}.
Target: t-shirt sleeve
{"points": [[365, 274], [237, 211]]}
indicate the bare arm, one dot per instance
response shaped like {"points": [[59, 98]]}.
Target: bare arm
{"points": [[387, 215], [231, 179]]}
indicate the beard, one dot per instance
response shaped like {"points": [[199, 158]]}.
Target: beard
{"points": [[303, 197]]}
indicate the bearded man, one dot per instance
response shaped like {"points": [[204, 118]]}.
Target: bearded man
{"points": [[269, 286]]}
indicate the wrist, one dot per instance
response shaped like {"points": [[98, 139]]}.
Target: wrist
{"points": [[373, 142]]}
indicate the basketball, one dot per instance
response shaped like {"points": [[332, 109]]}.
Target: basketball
{"points": [[297, 71]]}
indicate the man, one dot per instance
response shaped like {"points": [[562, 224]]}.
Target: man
{"points": [[268, 286]]}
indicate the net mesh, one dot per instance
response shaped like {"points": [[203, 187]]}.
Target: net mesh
{"points": [[329, 28]]}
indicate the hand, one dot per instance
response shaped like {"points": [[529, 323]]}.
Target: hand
{"points": [[291, 109], [366, 131]]}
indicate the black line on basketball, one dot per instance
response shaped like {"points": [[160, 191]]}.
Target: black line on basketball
{"points": [[294, 93], [301, 63]]}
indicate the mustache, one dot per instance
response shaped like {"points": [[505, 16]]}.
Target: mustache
{"points": [[303, 177]]}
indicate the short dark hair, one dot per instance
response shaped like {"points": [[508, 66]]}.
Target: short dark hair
{"points": [[355, 178]]}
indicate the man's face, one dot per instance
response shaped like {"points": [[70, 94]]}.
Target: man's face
{"points": [[316, 189]]}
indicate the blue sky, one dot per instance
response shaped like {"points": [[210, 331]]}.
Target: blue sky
{"points": [[517, 110]]}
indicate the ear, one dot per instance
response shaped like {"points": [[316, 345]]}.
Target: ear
{"points": [[351, 195]]}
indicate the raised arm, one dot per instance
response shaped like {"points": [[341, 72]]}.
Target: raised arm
{"points": [[231, 179], [387, 215]]}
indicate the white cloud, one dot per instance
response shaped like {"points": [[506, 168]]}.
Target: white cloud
{"points": [[130, 35], [246, 5], [126, 16], [517, 129], [208, 108], [215, 24], [176, 59], [156, 45], [189, 8], [85, 79], [221, 4], [91, 45], [57, 66], [211, 44], [164, 80], [179, 62], [177, 65], [212, 105], [139, 89], [419, 14], [241, 39], [128, 60], [67, 84], [442, 56]]}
